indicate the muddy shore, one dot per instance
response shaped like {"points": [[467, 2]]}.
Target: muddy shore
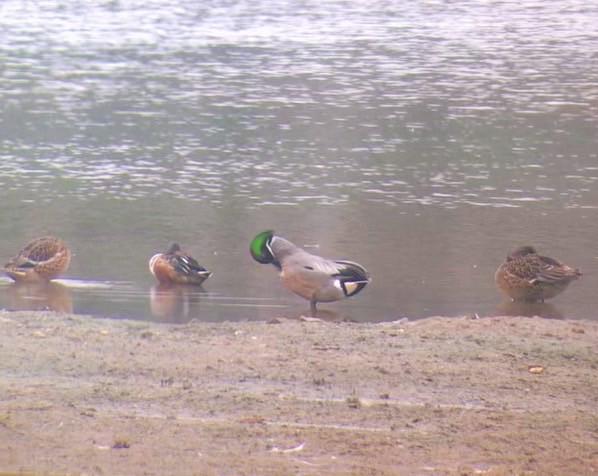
{"points": [[499, 395]]}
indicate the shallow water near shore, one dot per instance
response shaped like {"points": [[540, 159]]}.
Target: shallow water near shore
{"points": [[423, 143]]}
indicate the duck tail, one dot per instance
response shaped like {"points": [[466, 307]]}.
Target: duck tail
{"points": [[354, 277]]}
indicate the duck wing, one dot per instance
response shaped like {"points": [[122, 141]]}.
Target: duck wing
{"points": [[351, 276], [187, 265], [21, 262], [550, 270]]}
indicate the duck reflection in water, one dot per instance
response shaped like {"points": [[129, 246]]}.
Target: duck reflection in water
{"points": [[175, 303], [529, 309], [52, 296]]}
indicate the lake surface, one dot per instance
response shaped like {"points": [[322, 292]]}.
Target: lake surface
{"points": [[422, 139]]}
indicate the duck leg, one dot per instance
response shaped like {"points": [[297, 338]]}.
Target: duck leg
{"points": [[312, 306]]}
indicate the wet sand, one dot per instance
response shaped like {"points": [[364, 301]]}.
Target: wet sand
{"points": [[499, 395]]}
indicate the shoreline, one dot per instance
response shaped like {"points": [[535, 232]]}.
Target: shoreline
{"points": [[495, 395]]}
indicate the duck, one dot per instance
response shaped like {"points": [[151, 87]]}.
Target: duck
{"points": [[312, 277], [42, 260], [525, 275], [177, 267]]}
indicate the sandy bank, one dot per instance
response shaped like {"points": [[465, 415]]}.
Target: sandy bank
{"points": [[501, 395]]}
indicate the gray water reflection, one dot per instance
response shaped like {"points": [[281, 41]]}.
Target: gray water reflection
{"points": [[52, 296], [423, 140]]}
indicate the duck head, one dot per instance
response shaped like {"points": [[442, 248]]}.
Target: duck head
{"points": [[173, 248], [521, 252], [261, 248]]}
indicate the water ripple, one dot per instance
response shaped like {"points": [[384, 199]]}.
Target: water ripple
{"points": [[277, 104]]}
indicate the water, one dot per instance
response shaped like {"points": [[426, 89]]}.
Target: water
{"points": [[423, 139]]}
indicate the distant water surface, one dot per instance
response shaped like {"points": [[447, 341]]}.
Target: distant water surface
{"points": [[422, 139]]}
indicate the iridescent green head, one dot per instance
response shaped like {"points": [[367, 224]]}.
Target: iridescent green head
{"points": [[260, 247]]}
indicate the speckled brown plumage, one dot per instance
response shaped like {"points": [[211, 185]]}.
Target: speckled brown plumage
{"points": [[43, 259], [525, 275]]}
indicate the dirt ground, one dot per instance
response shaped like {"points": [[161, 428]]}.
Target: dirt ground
{"points": [[497, 396]]}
